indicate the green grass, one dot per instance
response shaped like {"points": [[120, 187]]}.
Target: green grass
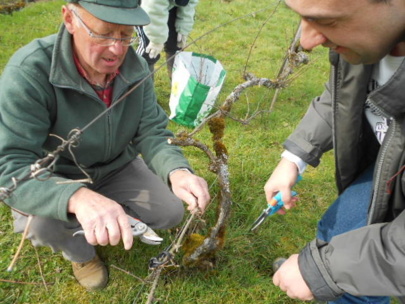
{"points": [[242, 272]]}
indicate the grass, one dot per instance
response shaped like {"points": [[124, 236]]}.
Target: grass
{"points": [[242, 272]]}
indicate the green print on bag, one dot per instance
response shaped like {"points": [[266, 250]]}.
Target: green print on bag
{"points": [[197, 80]]}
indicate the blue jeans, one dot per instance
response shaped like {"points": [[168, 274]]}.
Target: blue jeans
{"points": [[347, 213]]}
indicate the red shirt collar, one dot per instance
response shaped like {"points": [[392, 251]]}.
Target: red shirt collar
{"points": [[104, 92]]}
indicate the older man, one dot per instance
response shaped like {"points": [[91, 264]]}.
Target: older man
{"points": [[63, 82], [360, 248]]}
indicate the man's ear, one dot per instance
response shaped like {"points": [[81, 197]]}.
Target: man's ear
{"points": [[67, 16]]}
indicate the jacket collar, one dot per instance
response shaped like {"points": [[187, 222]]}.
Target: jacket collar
{"points": [[390, 97]]}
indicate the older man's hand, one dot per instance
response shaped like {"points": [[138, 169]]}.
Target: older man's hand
{"points": [[190, 188], [103, 220]]}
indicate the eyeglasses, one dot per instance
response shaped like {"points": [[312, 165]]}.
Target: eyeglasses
{"points": [[104, 40]]}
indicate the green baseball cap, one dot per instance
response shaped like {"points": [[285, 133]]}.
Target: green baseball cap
{"points": [[127, 12]]}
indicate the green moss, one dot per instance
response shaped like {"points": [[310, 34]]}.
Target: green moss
{"points": [[217, 127], [192, 243]]}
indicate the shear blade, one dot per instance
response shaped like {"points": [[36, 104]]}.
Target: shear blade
{"points": [[150, 237], [258, 222]]}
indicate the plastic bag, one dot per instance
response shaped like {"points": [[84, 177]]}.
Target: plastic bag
{"points": [[197, 80]]}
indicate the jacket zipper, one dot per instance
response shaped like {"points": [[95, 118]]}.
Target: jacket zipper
{"points": [[380, 160], [334, 106], [383, 150], [109, 133]]}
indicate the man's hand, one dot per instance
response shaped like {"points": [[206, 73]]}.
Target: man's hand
{"points": [[290, 280], [282, 179], [103, 220], [154, 49], [190, 188]]}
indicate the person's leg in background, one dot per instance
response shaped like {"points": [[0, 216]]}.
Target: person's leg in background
{"points": [[171, 44]]}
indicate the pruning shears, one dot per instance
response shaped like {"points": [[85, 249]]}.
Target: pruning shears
{"points": [[273, 206], [140, 229]]}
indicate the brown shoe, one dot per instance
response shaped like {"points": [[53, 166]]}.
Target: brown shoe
{"points": [[92, 275]]}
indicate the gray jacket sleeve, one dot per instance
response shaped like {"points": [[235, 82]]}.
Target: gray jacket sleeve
{"points": [[367, 261], [313, 135]]}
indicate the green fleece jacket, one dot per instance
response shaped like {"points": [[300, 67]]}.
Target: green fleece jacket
{"points": [[43, 98]]}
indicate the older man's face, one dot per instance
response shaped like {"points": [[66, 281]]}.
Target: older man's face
{"points": [[361, 31], [98, 60]]}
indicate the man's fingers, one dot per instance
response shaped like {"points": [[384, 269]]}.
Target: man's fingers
{"points": [[292, 203], [111, 233], [190, 200], [101, 235], [191, 189], [197, 200], [90, 237], [114, 234], [126, 232], [201, 194]]}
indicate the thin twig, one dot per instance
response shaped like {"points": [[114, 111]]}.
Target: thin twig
{"points": [[24, 283], [40, 268], [232, 98], [127, 272], [258, 34], [177, 245], [292, 48], [27, 226], [247, 120], [153, 288]]}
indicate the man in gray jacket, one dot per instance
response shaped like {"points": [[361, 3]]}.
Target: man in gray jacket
{"points": [[359, 253]]}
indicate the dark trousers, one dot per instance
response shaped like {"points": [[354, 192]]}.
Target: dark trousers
{"points": [[138, 190]]}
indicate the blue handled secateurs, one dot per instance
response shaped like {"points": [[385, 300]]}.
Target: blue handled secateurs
{"points": [[273, 206]]}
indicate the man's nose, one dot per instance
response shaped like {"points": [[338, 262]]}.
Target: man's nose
{"points": [[310, 37], [118, 48]]}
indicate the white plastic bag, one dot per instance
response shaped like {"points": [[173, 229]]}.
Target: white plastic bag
{"points": [[197, 80]]}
